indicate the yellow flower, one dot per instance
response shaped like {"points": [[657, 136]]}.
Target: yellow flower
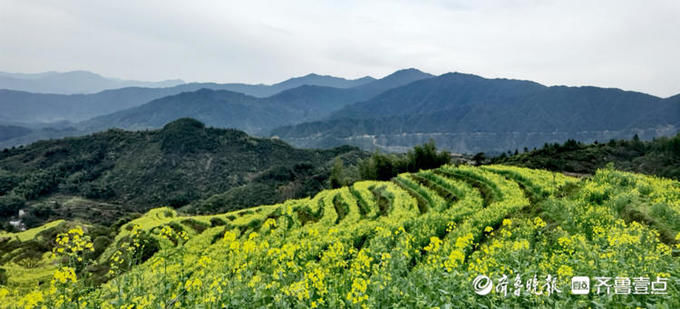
{"points": [[357, 294], [539, 223], [565, 271], [456, 258], [204, 261], [254, 281], [449, 227], [31, 300], [464, 241], [229, 236], [520, 244], [269, 223], [663, 275], [193, 285], [434, 245], [65, 274]]}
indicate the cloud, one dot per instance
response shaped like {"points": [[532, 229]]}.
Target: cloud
{"points": [[626, 44]]}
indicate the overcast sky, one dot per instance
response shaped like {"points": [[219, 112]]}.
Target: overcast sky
{"points": [[634, 45]]}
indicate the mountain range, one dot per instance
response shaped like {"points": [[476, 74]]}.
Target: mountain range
{"points": [[74, 82], [222, 108], [462, 113], [467, 113], [27, 107]]}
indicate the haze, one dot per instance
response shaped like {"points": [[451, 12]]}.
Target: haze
{"points": [[625, 44]]}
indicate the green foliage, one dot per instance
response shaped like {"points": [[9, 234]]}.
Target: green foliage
{"points": [[386, 166], [185, 135], [425, 157], [337, 177], [659, 157], [102, 177], [467, 114], [372, 245], [10, 205]]}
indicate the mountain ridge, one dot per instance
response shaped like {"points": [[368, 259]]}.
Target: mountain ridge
{"points": [[29, 107], [254, 115], [469, 113], [72, 82]]}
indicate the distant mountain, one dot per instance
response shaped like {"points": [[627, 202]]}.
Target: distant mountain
{"points": [[261, 90], [216, 108], [322, 80], [227, 109], [75, 82], [135, 171], [10, 132], [21, 106], [468, 113]]}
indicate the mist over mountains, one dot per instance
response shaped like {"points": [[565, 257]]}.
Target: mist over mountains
{"points": [[223, 108], [468, 113], [74, 82], [26, 107], [461, 112]]}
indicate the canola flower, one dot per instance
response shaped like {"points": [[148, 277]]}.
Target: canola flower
{"points": [[397, 254]]}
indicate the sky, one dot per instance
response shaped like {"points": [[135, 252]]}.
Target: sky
{"points": [[633, 45]]}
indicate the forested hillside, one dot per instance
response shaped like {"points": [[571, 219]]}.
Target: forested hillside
{"points": [[660, 157], [465, 113], [108, 175]]}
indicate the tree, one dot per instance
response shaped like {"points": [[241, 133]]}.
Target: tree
{"points": [[337, 178], [479, 158], [10, 204], [384, 167], [426, 157]]}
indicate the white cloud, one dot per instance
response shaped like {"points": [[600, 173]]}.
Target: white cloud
{"points": [[627, 44]]}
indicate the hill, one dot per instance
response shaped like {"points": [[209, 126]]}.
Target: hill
{"points": [[134, 171], [10, 132], [659, 157], [438, 238], [257, 116], [73, 82], [466, 114], [318, 80]]}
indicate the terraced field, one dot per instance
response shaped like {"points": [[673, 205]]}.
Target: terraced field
{"points": [[452, 237]]}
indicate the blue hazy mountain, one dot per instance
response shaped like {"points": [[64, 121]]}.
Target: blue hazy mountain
{"points": [[73, 82], [28, 107], [229, 109], [468, 113]]}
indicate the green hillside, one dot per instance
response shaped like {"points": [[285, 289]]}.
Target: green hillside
{"points": [[659, 157], [419, 240], [105, 176]]}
